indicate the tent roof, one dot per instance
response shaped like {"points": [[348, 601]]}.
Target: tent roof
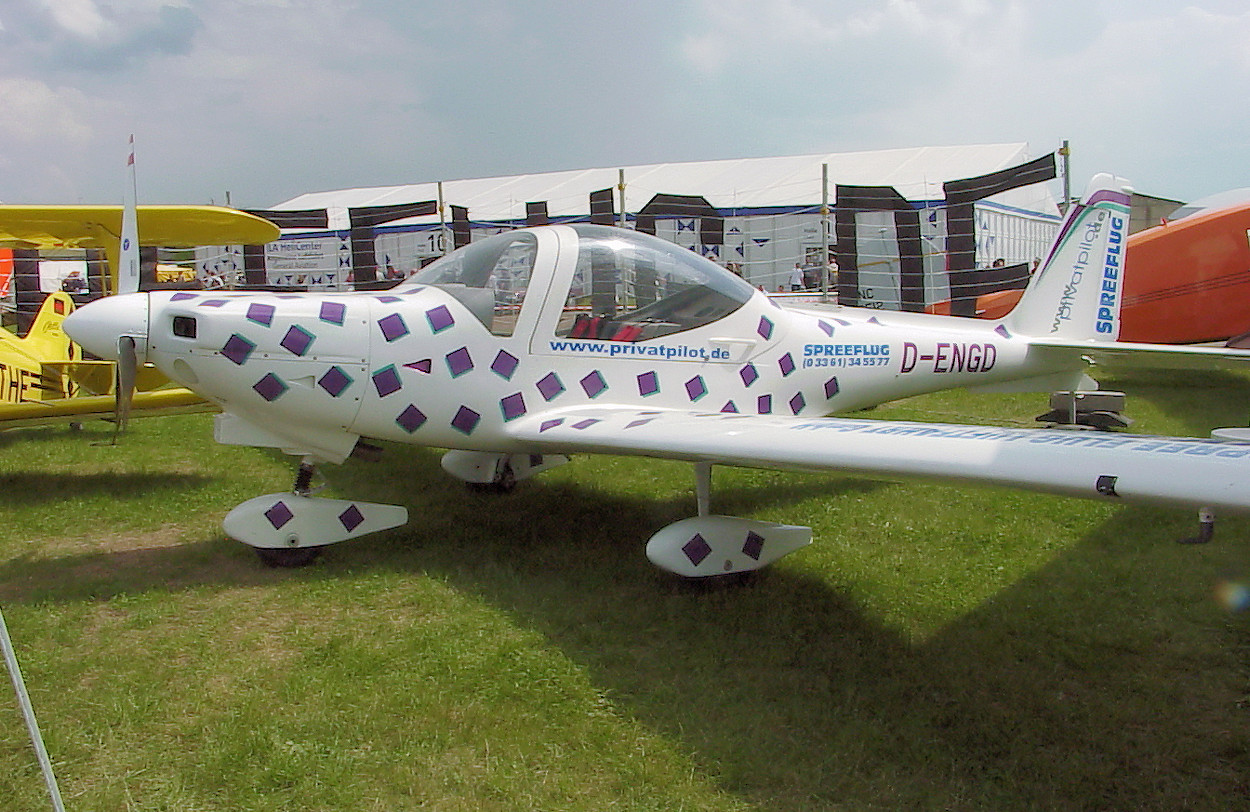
{"points": [[746, 183]]}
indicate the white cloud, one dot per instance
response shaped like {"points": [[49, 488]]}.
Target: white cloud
{"points": [[271, 98], [81, 18], [46, 115]]}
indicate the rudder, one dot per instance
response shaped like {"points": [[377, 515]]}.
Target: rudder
{"points": [[1076, 293], [46, 340]]}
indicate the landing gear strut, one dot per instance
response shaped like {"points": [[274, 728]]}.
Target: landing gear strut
{"points": [[708, 545], [1206, 528], [292, 557]]}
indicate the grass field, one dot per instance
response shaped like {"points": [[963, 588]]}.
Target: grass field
{"points": [[935, 648]]}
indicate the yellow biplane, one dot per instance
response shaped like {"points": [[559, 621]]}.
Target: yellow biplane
{"points": [[43, 377]]}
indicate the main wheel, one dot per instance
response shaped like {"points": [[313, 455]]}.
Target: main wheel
{"points": [[288, 558], [504, 482]]}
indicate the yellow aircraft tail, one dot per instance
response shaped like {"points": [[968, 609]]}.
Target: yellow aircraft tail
{"points": [[46, 340]]}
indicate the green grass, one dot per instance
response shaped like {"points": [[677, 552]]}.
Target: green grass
{"points": [[935, 648]]}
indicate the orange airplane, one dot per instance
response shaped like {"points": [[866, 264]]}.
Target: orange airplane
{"points": [[1185, 281]]}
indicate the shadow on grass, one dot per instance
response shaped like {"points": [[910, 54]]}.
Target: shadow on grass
{"points": [[786, 692], [1198, 401], [35, 487]]}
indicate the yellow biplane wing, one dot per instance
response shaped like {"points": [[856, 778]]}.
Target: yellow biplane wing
{"points": [[88, 407], [98, 226], [58, 227]]}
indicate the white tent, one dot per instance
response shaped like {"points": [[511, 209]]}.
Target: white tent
{"points": [[743, 185], [769, 209]]}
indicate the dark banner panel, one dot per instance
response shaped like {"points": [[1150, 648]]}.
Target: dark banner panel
{"points": [[294, 218], [970, 190], [711, 223], [254, 272], [461, 230], [602, 208], [961, 240], [536, 214], [852, 200], [27, 297]]}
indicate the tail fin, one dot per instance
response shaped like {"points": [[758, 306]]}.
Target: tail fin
{"points": [[45, 340], [1076, 293]]}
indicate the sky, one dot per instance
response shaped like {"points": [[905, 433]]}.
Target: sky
{"points": [[268, 99]]}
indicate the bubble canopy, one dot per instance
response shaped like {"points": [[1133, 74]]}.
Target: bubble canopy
{"points": [[627, 285]]}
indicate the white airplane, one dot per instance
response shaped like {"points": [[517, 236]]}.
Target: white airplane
{"points": [[534, 344]]}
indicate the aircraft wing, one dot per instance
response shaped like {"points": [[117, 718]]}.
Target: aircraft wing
{"points": [[47, 227], [1075, 463], [77, 409], [1127, 356]]}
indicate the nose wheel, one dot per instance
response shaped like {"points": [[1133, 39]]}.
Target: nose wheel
{"points": [[284, 558]]}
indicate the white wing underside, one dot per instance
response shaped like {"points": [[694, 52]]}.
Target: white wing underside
{"points": [[1104, 465]]}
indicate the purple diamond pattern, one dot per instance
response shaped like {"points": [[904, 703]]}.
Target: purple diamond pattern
{"points": [[696, 388], [335, 381], [753, 546], [594, 384], [411, 419], [270, 387], [697, 549], [504, 365], [764, 404], [513, 406], [459, 362], [765, 328], [386, 381], [351, 518], [333, 312], [425, 365], [212, 303], [387, 299], [279, 515], [587, 423], [550, 387], [648, 383], [633, 424], [466, 420], [238, 349], [785, 364], [831, 387], [393, 327], [182, 297], [550, 424], [730, 408], [797, 403], [297, 340], [826, 327], [260, 313], [1002, 331], [749, 374], [440, 318]]}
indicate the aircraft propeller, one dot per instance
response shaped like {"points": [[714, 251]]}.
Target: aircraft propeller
{"points": [[124, 383]]}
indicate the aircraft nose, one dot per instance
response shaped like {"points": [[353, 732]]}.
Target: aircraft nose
{"points": [[97, 326]]}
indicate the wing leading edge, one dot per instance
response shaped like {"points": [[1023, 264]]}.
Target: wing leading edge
{"points": [[1097, 465]]}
